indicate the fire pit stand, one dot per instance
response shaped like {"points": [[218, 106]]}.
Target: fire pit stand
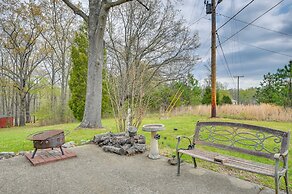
{"points": [[47, 139]]}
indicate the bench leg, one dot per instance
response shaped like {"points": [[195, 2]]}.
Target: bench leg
{"points": [[286, 182], [178, 163], [276, 184], [195, 163]]}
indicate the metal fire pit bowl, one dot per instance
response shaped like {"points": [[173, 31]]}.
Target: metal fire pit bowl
{"points": [[47, 139]]}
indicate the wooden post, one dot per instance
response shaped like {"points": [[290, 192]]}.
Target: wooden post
{"points": [[213, 61]]}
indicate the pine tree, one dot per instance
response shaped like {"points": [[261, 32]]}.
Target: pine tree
{"points": [[78, 74], [276, 88], [78, 77]]}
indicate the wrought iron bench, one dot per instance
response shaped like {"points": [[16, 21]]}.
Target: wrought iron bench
{"points": [[247, 139]]}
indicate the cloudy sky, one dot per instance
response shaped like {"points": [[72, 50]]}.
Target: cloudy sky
{"points": [[262, 47], [258, 49]]}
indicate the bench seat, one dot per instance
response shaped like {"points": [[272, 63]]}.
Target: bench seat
{"points": [[233, 162], [255, 141]]}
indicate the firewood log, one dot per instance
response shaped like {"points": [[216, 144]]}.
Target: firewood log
{"points": [[100, 137], [113, 149], [136, 148]]}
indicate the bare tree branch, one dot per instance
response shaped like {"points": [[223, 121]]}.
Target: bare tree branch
{"points": [[115, 3], [76, 10], [143, 5]]}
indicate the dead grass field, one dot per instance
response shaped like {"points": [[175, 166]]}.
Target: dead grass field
{"points": [[262, 112]]}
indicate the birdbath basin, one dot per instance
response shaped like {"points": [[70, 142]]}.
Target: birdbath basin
{"points": [[153, 128]]}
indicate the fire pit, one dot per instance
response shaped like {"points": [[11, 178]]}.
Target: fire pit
{"points": [[47, 139]]}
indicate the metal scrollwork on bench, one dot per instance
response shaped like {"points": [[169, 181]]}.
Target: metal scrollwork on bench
{"points": [[241, 137]]}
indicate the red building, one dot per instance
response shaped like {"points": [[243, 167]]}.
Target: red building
{"points": [[6, 121]]}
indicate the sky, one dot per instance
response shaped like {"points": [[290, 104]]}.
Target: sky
{"points": [[260, 48], [251, 53]]}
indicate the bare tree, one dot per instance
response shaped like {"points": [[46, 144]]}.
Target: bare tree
{"points": [[59, 22], [145, 48], [20, 32], [96, 20], [7, 91]]}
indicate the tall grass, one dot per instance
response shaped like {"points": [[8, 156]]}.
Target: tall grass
{"points": [[262, 112]]}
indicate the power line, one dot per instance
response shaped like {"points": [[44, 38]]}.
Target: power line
{"points": [[279, 32], [252, 21], [197, 20], [271, 51], [251, 45], [225, 59], [232, 82], [201, 17], [264, 49], [235, 14]]}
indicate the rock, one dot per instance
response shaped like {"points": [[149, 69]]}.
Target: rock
{"points": [[132, 131], [7, 155], [69, 144], [83, 142], [22, 153], [12, 154], [172, 161]]}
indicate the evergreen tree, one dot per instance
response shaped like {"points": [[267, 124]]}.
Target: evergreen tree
{"points": [[78, 77], [208, 95], [78, 74], [226, 100], [276, 88]]}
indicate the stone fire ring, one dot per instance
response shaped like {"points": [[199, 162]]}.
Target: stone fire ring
{"points": [[153, 128]]}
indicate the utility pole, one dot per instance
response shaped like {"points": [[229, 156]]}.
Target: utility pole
{"points": [[238, 76], [213, 60], [211, 9]]}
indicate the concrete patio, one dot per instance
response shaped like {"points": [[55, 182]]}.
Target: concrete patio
{"points": [[94, 171]]}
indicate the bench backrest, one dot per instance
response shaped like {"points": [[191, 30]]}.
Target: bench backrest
{"points": [[249, 139]]}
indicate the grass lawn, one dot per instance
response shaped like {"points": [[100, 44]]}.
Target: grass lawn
{"points": [[14, 139]]}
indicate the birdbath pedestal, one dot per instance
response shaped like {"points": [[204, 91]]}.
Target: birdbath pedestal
{"points": [[153, 128]]}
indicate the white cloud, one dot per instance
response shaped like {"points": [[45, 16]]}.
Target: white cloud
{"points": [[242, 58]]}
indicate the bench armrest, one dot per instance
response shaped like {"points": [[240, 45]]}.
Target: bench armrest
{"points": [[285, 153], [179, 138], [285, 160], [277, 156]]}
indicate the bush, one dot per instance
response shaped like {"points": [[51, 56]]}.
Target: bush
{"points": [[226, 100]]}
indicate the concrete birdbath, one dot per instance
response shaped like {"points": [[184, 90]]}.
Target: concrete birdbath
{"points": [[153, 128]]}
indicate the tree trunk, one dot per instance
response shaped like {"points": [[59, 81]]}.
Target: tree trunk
{"points": [[27, 108], [52, 104], [3, 101], [16, 110], [63, 95], [92, 112], [22, 109], [12, 103]]}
